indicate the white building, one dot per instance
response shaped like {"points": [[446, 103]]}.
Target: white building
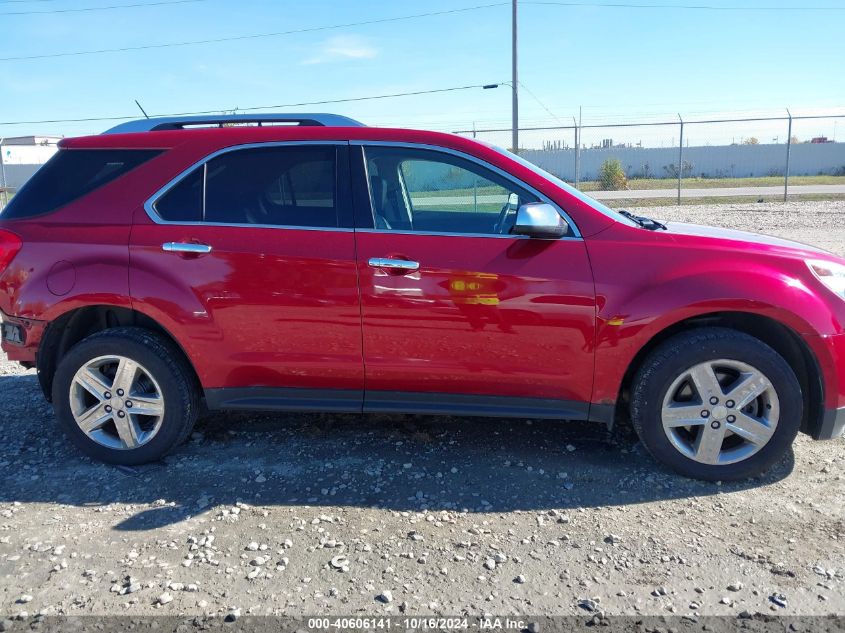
{"points": [[21, 156]]}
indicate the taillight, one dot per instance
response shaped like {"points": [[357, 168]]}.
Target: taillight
{"points": [[10, 244]]}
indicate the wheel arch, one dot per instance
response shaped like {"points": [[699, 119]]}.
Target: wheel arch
{"points": [[783, 339], [69, 328]]}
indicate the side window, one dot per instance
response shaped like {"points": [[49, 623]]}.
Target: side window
{"points": [[278, 186], [71, 174], [429, 191], [293, 186], [183, 203]]}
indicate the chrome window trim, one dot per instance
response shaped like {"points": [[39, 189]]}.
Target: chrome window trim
{"points": [[446, 150], [149, 205]]}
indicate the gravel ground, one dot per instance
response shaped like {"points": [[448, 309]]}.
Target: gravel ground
{"points": [[331, 514]]}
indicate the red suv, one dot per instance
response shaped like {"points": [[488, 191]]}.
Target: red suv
{"points": [[308, 262]]}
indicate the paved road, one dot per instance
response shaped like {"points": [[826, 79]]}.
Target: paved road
{"points": [[716, 192]]}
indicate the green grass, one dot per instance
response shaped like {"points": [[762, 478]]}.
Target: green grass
{"points": [[713, 183]]}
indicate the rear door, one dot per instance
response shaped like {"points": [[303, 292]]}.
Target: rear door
{"points": [[250, 258], [458, 314]]}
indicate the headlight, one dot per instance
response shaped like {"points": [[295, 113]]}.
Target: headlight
{"points": [[830, 274]]}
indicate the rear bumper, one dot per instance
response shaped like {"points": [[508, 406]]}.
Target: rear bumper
{"points": [[832, 425], [21, 337]]}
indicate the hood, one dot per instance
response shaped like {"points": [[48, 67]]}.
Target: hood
{"points": [[747, 239]]}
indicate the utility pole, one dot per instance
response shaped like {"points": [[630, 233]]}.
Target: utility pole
{"points": [[3, 176], [515, 85], [788, 148]]}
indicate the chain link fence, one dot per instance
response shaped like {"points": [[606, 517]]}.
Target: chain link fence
{"points": [[690, 160]]}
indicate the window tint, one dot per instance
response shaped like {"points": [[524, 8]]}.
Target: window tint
{"points": [[183, 203], [430, 191], [293, 186], [71, 174]]}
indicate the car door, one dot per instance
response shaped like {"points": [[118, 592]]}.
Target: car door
{"points": [[457, 313], [249, 257]]}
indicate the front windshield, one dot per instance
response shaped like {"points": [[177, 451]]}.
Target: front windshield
{"points": [[583, 197]]}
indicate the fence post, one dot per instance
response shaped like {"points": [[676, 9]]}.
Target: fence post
{"points": [[680, 159], [788, 148], [577, 152], [578, 149]]}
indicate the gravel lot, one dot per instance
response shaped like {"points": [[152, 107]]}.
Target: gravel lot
{"points": [[330, 514]]}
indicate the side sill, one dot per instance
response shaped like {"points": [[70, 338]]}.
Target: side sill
{"points": [[353, 401], [284, 399], [474, 405]]}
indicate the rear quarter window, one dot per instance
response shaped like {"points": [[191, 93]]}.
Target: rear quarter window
{"points": [[69, 175]]}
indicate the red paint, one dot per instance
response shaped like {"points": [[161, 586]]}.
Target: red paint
{"points": [[296, 308]]}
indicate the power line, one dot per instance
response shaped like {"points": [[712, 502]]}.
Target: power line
{"points": [[693, 7], [268, 107], [255, 36], [542, 105], [107, 8]]}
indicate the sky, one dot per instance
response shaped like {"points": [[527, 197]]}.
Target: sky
{"points": [[617, 64]]}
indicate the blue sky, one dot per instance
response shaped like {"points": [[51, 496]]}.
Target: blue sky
{"points": [[619, 63]]}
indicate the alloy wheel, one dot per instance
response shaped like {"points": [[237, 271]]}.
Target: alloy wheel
{"points": [[720, 412], [117, 402]]}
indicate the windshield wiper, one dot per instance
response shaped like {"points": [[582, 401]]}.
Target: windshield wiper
{"points": [[646, 223]]}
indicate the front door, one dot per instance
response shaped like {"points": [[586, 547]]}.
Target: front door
{"points": [[251, 259], [459, 315]]}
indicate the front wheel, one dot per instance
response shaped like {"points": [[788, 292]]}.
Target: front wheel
{"points": [[125, 396], [716, 404]]}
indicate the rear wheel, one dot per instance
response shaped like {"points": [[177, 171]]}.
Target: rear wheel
{"points": [[716, 404], [125, 396]]}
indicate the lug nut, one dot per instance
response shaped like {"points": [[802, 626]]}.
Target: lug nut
{"points": [[715, 424], [108, 409], [121, 414], [713, 400], [731, 419], [730, 404], [705, 414], [107, 395], [120, 392], [128, 404]]}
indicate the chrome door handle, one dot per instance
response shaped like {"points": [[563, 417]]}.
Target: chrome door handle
{"points": [[186, 247], [394, 264]]}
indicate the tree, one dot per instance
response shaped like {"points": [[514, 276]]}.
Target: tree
{"points": [[612, 175], [751, 140]]}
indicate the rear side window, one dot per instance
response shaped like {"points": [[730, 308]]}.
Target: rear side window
{"points": [[276, 186], [71, 174]]}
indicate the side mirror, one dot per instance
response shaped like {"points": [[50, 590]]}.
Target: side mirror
{"points": [[539, 219]]}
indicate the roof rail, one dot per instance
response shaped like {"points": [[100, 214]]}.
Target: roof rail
{"points": [[221, 120]]}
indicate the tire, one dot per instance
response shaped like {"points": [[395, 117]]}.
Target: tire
{"points": [[668, 378], [162, 385]]}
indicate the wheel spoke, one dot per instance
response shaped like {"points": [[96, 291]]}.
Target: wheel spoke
{"points": [[93, 419], [124, 377], [129, 431], [682, 415], [93, 382], [751, 429], [708, 444], [146, 405], [750, 387], [706, 384]]}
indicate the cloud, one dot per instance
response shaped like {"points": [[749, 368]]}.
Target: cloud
{"points": [[342, 48]]}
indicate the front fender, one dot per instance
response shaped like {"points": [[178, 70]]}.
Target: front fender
{"points": [[635, 304]]}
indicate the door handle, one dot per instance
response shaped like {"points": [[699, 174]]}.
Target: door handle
{"points": [[186, 247], [394, 264]]}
